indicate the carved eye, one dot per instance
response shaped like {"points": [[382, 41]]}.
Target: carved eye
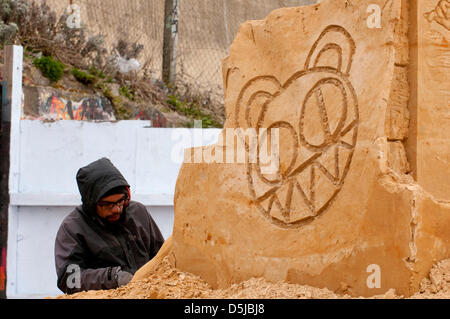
{"points": [[323, 114], [287, 148]]}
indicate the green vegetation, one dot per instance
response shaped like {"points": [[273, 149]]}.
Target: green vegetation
{"points": [[173, 101], [122, 113], [71, 52], [50, 68], [107, 93], [83, 77], [127, 92], [98, 73], [193, 111]]}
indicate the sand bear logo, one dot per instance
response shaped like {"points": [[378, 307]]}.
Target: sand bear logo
{"points": [[317, 137]]}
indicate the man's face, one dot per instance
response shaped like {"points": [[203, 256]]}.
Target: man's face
{"points": [[111, 207]]}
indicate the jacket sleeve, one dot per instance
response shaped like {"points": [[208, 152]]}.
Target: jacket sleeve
{"points": [[156, 238], [70, 267]]}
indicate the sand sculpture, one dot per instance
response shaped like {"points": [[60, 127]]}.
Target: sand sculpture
{"points": [[360, 201]]}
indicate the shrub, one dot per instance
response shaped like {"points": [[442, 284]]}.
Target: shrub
{"points": [[93, 71], [174, 102], [126, 92], [50, 68], [193, 111], [7, 32], [83, 77]]}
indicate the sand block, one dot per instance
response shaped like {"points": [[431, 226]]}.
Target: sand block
{"points": [[342, 209], [430, 146]]}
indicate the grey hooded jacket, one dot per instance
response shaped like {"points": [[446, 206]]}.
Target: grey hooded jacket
{"points": [[89, 250]]}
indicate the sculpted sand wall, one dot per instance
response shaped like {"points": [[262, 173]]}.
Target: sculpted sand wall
{"points": [[431, 118], [342, 95]]}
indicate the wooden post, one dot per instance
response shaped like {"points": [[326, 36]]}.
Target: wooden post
{"points": [[170, 41], [10, 117]]}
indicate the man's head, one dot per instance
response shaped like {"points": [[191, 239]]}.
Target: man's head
{"points": [[102, 187], [110, 206]]}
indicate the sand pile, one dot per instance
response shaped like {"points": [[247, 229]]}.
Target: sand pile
{"points": [[170, 283], [437, 285]]}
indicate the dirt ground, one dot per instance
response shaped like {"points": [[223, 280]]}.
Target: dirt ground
{"points": [[170, 283]]}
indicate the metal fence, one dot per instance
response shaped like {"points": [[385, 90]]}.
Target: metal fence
{"points": [[204, 30]]}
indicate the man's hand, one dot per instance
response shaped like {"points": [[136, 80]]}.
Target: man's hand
{"points": [[122, 277]]}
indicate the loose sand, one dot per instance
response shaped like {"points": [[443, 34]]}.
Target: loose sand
{"points": [[169, 283]]}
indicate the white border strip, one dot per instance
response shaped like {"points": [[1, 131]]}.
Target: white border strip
{"points": [[13, 65]]}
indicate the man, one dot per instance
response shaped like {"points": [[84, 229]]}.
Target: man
{"points": [[102, 243]]}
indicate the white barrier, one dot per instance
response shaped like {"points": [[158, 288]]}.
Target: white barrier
{"points": [[48, 156]]}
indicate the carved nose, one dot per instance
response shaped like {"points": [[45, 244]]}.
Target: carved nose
{"points": [[323, 114]]}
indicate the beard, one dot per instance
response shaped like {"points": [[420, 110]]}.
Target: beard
{"points": [[114, 218]]}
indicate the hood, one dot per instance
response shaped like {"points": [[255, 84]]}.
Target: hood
{"points": [[95, 180]]}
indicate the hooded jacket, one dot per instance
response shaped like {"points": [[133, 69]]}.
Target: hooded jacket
{"points": [[88, 249]]}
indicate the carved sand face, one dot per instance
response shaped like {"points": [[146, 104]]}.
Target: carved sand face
{"points": [[316, 112]]}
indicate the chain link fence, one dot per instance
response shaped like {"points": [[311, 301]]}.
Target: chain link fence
{"points": [[135, 21], [204, 30]]}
